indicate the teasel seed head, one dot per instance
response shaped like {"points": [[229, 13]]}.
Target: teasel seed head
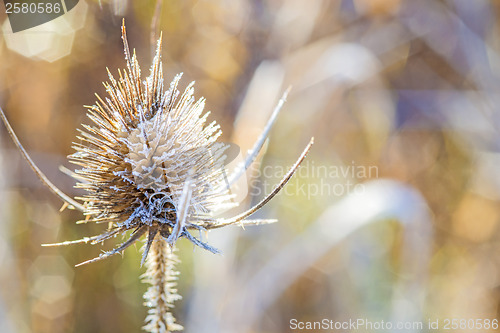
{"points": [[150, 163]]}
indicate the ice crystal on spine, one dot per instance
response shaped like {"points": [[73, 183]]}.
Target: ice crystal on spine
{"points": [[151, 166]]}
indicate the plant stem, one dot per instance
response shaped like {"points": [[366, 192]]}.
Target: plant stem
{"points": [[162, 292]]}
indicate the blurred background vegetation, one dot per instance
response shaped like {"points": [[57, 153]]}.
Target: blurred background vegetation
{"points": [[406, 88]]}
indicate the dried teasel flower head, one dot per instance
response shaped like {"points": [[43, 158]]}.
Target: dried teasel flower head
{"points": [[150, 163]]}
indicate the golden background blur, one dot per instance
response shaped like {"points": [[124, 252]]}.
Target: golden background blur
{"points": [[405, 89]]}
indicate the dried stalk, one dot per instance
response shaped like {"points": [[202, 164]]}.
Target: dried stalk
{"points": [[162, 293]]}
